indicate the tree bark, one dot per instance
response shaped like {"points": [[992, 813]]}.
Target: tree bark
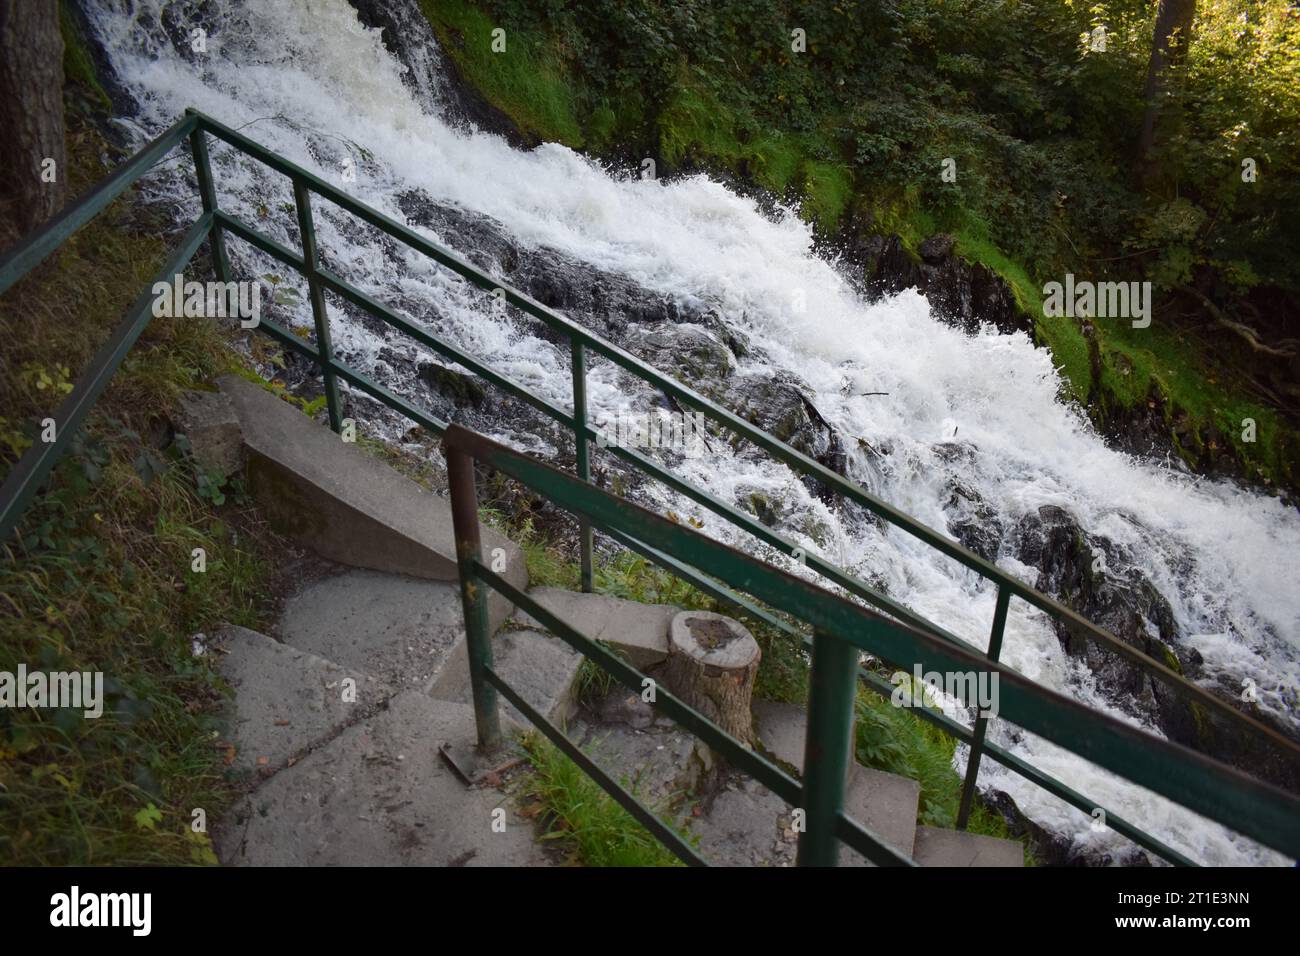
{"points": [[31, 115], [712, 661], [1172, 36]]}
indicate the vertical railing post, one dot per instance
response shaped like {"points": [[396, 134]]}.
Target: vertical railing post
{"points": [[981, 721], [582, 449], [473, 595], [317, 293], [208, 193], [832, 688]]}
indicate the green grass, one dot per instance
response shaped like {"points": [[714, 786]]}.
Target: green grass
{"points": [[888, 738], [580, 816], [776, 161], [897, 741], [78, 67], [828, 188], [525, 81], [99, 576]]}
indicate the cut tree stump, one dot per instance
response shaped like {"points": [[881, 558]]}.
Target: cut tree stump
{"points": [[711, 664]]}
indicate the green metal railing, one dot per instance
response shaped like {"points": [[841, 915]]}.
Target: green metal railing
{"points": [[28, 475], [842, 631]]}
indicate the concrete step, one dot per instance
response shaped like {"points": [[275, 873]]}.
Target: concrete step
{"points": [[541, 667], [404, 630], [379, 794], [346, 504], [883, 802], [287, 701], [639, 631], [939, 847]]}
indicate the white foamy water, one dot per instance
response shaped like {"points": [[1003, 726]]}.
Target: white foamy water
{"points": [[304, 78]]}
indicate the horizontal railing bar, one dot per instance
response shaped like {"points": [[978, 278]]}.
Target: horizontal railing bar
{"points": [[31, 471], [741, 757], [879, 685], [707, 585], [1199, 783], [381, 311], [642, 814], [751, 524], [767, 773], [28, 253], [288, 338], [783, 452], [395, 402], [1031, 773], [861, 839], [268, 245]]}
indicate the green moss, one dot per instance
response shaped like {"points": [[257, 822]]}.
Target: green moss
{"points": [[828, 188], [525, 81], [695, 128], [895, 740], [78, 67], [776, 161]]}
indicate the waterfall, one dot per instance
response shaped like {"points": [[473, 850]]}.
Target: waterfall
{"points": [[980, 413]]}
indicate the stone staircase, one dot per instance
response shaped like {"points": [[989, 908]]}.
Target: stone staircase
{"points": [[339, 715]]}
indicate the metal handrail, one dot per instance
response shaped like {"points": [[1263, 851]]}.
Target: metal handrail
{"points": [[841, 631], [29, 473]]}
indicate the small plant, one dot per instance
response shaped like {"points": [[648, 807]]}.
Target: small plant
{"points": [[581, 816]]}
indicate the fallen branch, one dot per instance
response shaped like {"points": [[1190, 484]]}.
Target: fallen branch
{"points": [[1244, 331]]}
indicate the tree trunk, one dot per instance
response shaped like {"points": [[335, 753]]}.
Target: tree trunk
{"points": [[31, 115], [1172, 36], [712, 661]]}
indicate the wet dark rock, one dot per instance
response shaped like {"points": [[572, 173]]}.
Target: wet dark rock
{"points": [[973, 523], [1080, 571], [461, 389], [479, 238], [603, 302], [405, 30], [731, 337], [962, 293], [1093, 577], [1054, 849], [688, 353], [937, 248], [782, 410]]}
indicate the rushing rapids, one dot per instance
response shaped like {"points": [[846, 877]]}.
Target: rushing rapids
{"points": [[966, 432]]}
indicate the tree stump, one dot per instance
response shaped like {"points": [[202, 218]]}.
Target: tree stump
{"points": [[711, 665]]}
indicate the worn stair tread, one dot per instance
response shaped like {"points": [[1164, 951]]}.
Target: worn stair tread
{"points": [[940, 847], [402, 629], [541, 667], [380, 794], [639, 631], [346, 504], [286, 700], [883, 802]]}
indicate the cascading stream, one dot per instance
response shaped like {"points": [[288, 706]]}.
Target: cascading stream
{"points": [[307, 80]]}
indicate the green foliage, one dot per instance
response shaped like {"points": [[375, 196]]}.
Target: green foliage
{"points": [[1043, 130], [98, 577], [523, 79], [897, 741], [579, 815], [78, 67]]}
